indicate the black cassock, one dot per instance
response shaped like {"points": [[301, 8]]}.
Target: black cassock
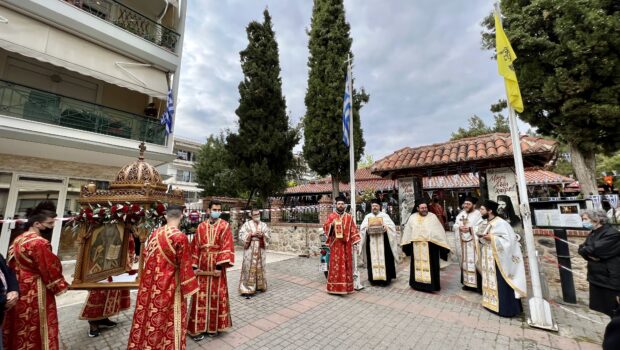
{"points": [[390, 267], [509, 305], [435, 252]]}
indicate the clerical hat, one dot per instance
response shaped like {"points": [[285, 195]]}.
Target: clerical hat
{"points": [[341, 199], [491, 205], [375, 201], [471, 199], [419, 201]]}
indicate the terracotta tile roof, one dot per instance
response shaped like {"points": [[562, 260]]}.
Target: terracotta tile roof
{"points": [[485, 147], [367, 181], [532, 177]]}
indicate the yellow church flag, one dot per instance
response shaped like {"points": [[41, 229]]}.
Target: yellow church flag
{"points": [[505, 57]]}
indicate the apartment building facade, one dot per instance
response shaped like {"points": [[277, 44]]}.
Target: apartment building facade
{"points": [[82, 84]]}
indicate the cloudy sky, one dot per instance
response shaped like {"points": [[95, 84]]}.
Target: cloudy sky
{"points": [[420, 61]]}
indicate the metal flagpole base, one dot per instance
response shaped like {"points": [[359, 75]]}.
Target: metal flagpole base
{"points": [[540, 315]]}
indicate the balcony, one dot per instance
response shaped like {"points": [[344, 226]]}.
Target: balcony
{"points": [[19, 101], [131, 20]]}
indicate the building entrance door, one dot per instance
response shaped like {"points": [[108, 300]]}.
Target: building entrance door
{"points": [[27, 191]]}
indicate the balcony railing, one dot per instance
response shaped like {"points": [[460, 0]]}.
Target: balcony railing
{"points": [[130, 20], [27, 103]]}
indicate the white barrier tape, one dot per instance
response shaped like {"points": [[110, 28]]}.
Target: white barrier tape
{"points": [[565, 241], [557, 264], [576, 314]]}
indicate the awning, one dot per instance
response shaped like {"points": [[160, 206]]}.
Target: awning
{"points": [[40, 41]]}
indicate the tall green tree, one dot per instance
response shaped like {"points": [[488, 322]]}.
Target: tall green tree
{"points": [[329, 45], [478, 127], [215, 176], [261, 152], [568, 68]]}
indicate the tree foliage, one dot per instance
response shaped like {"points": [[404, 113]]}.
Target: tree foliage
{"points": [[214, 175], [261, 152], [329, 46], [478, 127], [568, 70]]}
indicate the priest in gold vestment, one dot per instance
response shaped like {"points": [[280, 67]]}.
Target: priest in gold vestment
{"points": [[380, 243], [425, 240]]}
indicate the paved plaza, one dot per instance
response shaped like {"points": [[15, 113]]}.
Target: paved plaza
{"points": [[296, 313]]}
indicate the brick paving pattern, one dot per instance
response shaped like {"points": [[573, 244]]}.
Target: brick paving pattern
{"points": [[296, 313]]}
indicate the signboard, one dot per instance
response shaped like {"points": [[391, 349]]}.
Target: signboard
{"points": [[502, 187], [406, 197]]}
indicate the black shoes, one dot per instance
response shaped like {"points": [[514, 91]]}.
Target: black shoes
{"points": [[198, 337], [93, 332], [107, 323]]}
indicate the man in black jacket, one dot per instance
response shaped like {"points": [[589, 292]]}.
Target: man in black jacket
{"points": [[602, 251], [9, 291], [611, 340]]}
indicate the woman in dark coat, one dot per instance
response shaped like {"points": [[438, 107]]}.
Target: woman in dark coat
{"points": [[602, 251], [9, 291]]}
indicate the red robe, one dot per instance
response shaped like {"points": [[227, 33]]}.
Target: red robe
{"points": [[340, 274], [33, 322], [212, 247], [160, 318], [437, 209], [101, 304]]}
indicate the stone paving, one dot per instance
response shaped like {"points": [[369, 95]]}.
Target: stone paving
{"points": [[296, 313]]}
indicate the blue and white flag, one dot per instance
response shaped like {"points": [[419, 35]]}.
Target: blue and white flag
{"points": [[166, 118], [346, 109]]}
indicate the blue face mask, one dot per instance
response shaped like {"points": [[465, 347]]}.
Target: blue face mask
{"points": [[215, 214], [587, 225]]}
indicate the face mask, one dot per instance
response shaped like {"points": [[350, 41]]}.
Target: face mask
{"points": [[215, 214], [587, 225], [47, 232]]}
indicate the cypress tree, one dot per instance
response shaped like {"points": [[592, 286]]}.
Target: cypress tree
{"points": [[261, 151], [329, 45]]}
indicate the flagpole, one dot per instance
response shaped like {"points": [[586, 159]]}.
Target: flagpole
{"points": [[351, 148], [540, 310]]}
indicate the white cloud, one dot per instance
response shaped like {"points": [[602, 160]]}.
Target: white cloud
{"points": [[420, 61]]}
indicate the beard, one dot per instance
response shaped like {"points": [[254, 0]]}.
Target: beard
{"points": [[485, 216], [340, 211]]}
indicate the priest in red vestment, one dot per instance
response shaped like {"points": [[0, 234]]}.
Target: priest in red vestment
{"points": [[213, 253], [33, 322], [437, 209], [342, 239], [102, 304], [167, 279]]}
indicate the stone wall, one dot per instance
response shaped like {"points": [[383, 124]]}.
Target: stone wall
{"points": [[546, 245], [296, 238]]}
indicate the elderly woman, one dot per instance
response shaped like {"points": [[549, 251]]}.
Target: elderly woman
{"points": [[602, 251]]}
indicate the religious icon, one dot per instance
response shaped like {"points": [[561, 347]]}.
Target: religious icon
{"points": [[338, 229], [104, 249], [375, 226]]}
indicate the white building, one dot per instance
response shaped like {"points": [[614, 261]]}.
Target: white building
{"points": [[180, 172], [82, 83]]}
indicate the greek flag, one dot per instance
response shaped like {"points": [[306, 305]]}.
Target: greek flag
{"points": [[346, 109], [166, 118]]}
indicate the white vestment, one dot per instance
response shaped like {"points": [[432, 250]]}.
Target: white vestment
{"points": [[504, 252], [253, 276], [422, 230], [466, 244], [377, 248]]}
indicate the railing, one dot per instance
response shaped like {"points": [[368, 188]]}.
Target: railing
{"points": [[27, 103], [130, 20], [301, 215]]}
